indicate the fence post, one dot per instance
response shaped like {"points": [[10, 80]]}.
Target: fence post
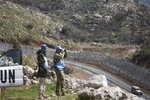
{"points": [[1, 93]]}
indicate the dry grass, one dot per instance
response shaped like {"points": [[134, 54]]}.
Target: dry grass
{"points": [[29, 60], [23, 25], [79, 73]]}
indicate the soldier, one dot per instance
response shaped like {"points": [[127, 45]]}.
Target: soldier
{"points": [[58, 60], [42, 70]]}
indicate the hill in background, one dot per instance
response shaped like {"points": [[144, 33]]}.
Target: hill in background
{"points": [[66, 21], [108, 21]]}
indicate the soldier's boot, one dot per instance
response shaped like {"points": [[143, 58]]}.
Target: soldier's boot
{"points": [[44, 95], [58, 93], [40, 96], [63, 94]]}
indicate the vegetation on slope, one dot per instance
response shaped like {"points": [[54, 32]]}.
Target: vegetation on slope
{"points": [[31, 93], [68, 21], [97, 21], [18, 24]]}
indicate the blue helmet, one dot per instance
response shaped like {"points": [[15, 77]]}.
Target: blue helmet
{"points": [[58, 48], [43, 47]]}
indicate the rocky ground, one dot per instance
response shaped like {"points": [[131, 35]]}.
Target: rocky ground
{"points": [[88, 87]]}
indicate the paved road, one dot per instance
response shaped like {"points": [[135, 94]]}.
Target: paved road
{"points": [[111, 78]]}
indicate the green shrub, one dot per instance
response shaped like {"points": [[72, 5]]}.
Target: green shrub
{"points": [[29, 26]]}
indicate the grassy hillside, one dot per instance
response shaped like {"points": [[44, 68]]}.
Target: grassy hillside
{"points": [[18, 24], [70, 21], [83, 21], [108, 21], [31, 93]]}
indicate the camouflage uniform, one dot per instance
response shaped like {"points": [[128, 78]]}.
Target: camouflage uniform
{"points": [[42, 73], [58, 60]]}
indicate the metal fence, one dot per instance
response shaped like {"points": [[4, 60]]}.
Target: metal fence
{"points": [[121, 67], [116, 65], [4, 46], [26, 49]]}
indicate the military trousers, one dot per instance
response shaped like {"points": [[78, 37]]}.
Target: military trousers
{"points": [[60, 83], [42, 85]]}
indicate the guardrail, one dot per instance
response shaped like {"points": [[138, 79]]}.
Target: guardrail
{"points": [[128, 70]]}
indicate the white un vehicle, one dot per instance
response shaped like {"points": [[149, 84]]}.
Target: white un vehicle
{"points": [[11, 70]]}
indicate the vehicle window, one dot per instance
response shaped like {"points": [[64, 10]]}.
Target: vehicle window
{"points": [[11, 57]]}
